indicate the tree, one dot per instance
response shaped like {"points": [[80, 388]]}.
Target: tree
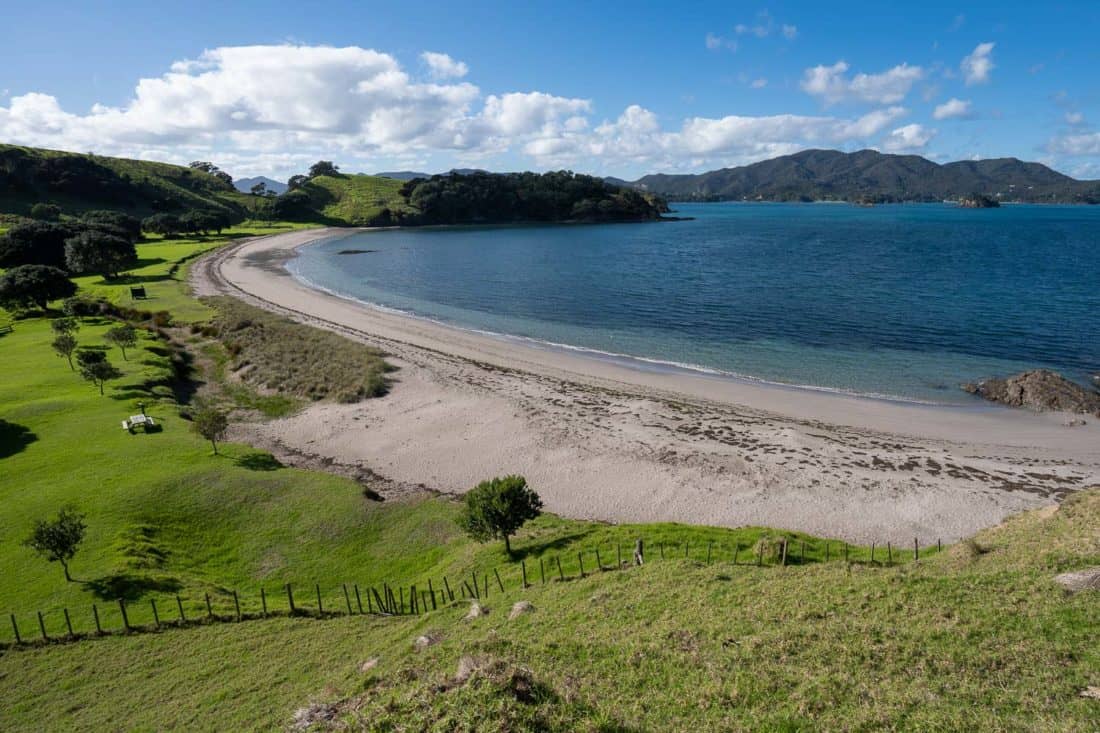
{"points": [[296, 182], [167, 225], [30, 285], [59, 539], [94, 251], [124, 336], [95, 368], [65, 345], [35, 243], [495, 509], [46, 212], [260, 189], [113, 222], [323, 168], [65, 325], [211, 423]]}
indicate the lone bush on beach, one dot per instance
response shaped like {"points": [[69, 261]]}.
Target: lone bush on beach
{"points": [[58, 540], [495, 509]]}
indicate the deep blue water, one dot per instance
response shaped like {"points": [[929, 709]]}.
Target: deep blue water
{"points": [[903, 301]]}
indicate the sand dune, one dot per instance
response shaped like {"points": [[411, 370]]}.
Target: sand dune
{"points": [[606, 441]]}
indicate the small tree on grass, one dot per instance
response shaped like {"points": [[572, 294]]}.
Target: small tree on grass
{"points": [[211, 423], [96, 369], [65, 325], [123, 337], [65, 345], [58, 540], [495, 509]]}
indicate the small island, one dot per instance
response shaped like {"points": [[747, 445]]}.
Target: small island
{"points": [[979, 201]]}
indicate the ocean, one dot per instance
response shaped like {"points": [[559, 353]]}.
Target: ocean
{"points": [[898, 301]]}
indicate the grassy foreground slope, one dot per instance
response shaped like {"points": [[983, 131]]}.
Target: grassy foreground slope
{"points": [[979, 638]]}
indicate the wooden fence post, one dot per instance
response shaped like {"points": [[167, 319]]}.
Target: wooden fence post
{"points": [[347, 598], [889, 554], [687, 549], [523, 568], [95, 614], [485, 577], [15, 628], [661, 549], [785, 543], [580, 562], [872, 553], [263, 601], [826, 550], [561, 575], [473, 576], [125, 618], [939, 546], [69, 624], [845, 552], [42, 626], [290, 598], [432, 591], [759, 553], [916, 550], [179, 606], [802, 553], [320, 608], [237, 604], [599, 562], [156, 616], [450, 593], [401, 604], [209, 608], [542, 571], [378, 598], [619, 555], [414, 602]]}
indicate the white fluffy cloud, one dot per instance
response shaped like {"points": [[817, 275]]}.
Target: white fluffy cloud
{"points": [[443, 66], [953, 109], [831, 85], [275, 109], [1081, 143], [977, 67], [908, 139]]}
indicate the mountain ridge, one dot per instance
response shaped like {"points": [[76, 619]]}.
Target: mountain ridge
{"points": [[872, 177]]}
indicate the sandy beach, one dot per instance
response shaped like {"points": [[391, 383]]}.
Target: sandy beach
{"points": [[603, 440]]}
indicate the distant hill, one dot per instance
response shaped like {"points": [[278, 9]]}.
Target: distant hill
{"points": [[244, 185], [867, 175], [80, 181]]}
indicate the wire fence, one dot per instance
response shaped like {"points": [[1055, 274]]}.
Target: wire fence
{"points": [[160, 611]]}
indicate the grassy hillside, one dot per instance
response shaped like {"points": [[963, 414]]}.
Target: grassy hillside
{"points": [[78, 182], [354, 199], [977, 637]]}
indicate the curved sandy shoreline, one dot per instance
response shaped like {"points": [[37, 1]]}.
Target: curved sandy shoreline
{"points": [[603, 440]]}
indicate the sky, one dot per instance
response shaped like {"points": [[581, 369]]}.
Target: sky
{"points": [[609, 88]]}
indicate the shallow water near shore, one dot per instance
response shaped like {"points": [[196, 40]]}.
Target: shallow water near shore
{"points": [[894, 301]]}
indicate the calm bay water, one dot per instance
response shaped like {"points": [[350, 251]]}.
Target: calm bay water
{"points": [[900, 301]]}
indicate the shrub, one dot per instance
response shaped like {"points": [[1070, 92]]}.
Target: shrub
{"points": [[495, 509], [30, 285]]}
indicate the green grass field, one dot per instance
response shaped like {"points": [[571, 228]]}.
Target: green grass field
{"points": [[978, 637], [355, 199]]}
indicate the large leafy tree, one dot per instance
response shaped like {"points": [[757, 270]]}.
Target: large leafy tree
{"points": [[164, 224], [324, 168], [34, 243], [99, 252], [34, 285], [113, 222], [497, 508], [58, 539]]}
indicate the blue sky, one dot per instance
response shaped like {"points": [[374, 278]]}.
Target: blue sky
{"points": [[608, 88]]}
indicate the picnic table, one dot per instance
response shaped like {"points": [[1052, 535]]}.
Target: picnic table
{"points": [[144, 421]]}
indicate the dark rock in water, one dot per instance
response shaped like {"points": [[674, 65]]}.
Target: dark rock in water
{"points": [[356, 251], [978, 201], [1040, 389]]}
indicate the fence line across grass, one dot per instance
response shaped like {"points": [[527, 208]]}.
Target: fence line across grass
{"points": [[167, 611]]}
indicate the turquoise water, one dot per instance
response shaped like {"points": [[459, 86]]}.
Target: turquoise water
{"points": [[902, 301]]}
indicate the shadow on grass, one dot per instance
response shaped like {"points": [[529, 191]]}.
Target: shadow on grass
{"points": [[131, 586], [259, 461], [14, 438], [538, 548]]}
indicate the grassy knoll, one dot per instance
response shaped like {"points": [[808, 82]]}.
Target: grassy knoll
{"points": [[975, 639], [355, 199]]}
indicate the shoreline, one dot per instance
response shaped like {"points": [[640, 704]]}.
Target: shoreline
{"points": [[665, 445]]}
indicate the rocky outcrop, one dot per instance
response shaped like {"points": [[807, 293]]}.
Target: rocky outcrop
{"points": [[1040, 389]]}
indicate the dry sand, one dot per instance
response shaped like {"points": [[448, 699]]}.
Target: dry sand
{"points": [[606, 441]]}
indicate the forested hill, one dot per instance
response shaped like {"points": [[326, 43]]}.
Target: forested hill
{"points": [[821, 175], [516, 197]]}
